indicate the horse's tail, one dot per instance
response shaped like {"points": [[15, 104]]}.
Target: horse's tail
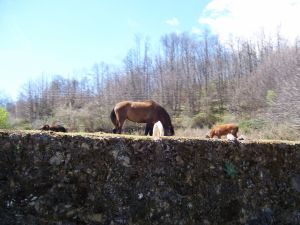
{"points": [[113, 117]]}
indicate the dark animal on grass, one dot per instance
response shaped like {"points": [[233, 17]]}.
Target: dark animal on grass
{"points": [[148, 112], [56, 128], [224, 129]]}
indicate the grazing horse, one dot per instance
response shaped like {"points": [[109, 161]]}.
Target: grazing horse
{"points": [[56, 128], [223, 129], [158, 129], [148, 112]]}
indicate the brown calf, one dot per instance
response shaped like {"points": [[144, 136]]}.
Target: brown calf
{"points": [[224, 129]]}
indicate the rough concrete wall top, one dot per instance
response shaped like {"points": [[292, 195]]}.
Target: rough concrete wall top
{"points": [[49, 178]]}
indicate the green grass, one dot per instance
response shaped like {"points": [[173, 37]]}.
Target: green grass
{"points": [[251, 125]]}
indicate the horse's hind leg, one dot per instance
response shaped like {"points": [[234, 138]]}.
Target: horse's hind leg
{"points": [[120, 123], [118, 129]]}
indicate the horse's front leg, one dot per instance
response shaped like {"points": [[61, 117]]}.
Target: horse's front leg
{"points": [[149, 129], [146, 129]]}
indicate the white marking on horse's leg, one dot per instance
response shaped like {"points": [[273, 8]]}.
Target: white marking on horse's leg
{"points": [[158, 129]]}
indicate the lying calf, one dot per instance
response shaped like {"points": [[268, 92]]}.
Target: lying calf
{"points": [[224, 129], [56, 128]]}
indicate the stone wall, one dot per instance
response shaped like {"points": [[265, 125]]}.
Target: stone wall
{"points": [[67, 179]]}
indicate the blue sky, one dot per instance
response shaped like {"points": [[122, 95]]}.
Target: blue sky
{"points": [[61, 36]]}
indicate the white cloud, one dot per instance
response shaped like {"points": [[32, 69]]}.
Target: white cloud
{"points": [[196, 30], [172, 22], [248, 18]]}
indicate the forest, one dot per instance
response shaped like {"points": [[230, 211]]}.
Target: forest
{"points": [[199, 80]]}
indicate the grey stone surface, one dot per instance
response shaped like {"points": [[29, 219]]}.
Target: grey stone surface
{"points": [[66, 179]]}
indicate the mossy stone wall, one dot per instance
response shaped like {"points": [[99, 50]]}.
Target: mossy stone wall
{"points": [[66, 179]]}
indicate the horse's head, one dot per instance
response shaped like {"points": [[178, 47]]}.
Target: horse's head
{"points": [[169, 130], [165, 118]]}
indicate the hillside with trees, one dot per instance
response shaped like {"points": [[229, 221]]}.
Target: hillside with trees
{"points": [[199, 80]]}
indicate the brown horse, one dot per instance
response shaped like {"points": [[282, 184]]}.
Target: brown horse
{"points": [[148, 112]]}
